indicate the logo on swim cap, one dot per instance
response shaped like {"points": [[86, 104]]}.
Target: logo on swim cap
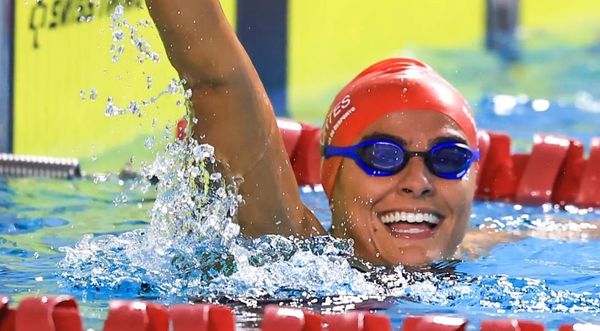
{"points": [[339, 113]]}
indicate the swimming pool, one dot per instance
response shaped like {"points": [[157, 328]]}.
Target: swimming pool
{"points": [[545, 280]]}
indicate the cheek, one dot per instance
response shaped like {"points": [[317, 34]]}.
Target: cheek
{"points": [[356, 187], [458, 196]]}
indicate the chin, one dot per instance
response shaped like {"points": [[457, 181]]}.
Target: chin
{"points": [[412, 257]]}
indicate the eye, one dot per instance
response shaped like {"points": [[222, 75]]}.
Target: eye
{"points": [[450, 158], [382, 156]]}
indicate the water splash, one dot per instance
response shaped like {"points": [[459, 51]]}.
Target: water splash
{"points": [[194, 248], [120, 28]]}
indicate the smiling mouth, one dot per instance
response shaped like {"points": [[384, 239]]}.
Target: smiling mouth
{"points": [[411, 225]]}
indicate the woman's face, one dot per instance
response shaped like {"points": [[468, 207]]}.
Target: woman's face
{"points": [[368, 208]]}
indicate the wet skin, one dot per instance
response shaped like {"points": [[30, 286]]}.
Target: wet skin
{"points": [[360, 201]]}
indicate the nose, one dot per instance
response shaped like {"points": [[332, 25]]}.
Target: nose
{"points": [[415, 179]]}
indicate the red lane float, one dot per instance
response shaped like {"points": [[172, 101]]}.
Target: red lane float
{"points": [[497, 180], [7, 315], [201, 317], [48, 313], [567, 184], [60, 313], [589, 191], [580, 327], [136, 316], [290, 319], [511, 325], [434, 323], [357, 321], [306, 159], [277, 318], [541, 169], [180, 129], [483, 140]]}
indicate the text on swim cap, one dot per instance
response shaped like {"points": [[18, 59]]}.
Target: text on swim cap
{"points": [[338, 115]]}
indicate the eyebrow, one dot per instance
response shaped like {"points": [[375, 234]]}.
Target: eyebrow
{"points": [[442, 139], [381, 135], [449, 138]]}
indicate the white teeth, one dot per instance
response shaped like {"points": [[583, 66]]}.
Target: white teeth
{"points": [[410, 218], [411, 231]]}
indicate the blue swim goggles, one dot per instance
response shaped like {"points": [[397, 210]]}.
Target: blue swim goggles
{"points": [[384, 157]]}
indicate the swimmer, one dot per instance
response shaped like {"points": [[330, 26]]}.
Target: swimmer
{"points": [[400, 155]]}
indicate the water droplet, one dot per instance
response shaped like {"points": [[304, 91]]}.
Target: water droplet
{"points": [[111, 109], [149, 143], [82, 94], [93, 94], [134, 108], [203, 151], [149, 82], [173, 86], [118, 13], [118, 35]]}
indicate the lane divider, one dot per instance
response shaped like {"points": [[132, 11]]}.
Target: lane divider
{"points": [[580, 327], [7, 315], [589, 192], [511, 325], [201, 317], [536, 185], [60, 313], [434, 323], [136, 316]]}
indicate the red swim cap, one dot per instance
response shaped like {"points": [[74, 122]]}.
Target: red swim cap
{"points": [[397, 84]]}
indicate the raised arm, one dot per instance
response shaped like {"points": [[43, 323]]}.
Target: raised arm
{"points": [[234, 115]]}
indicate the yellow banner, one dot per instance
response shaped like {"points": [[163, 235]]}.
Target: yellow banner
{"points": [[79, 59]]}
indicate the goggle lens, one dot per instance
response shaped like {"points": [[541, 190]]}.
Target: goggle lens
{"points": [[382, 156], [449, 160]]}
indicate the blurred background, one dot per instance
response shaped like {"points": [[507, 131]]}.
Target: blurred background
{"points": [[67, 64]]}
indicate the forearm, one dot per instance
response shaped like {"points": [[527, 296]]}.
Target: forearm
{"points": [[198, 39]]}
